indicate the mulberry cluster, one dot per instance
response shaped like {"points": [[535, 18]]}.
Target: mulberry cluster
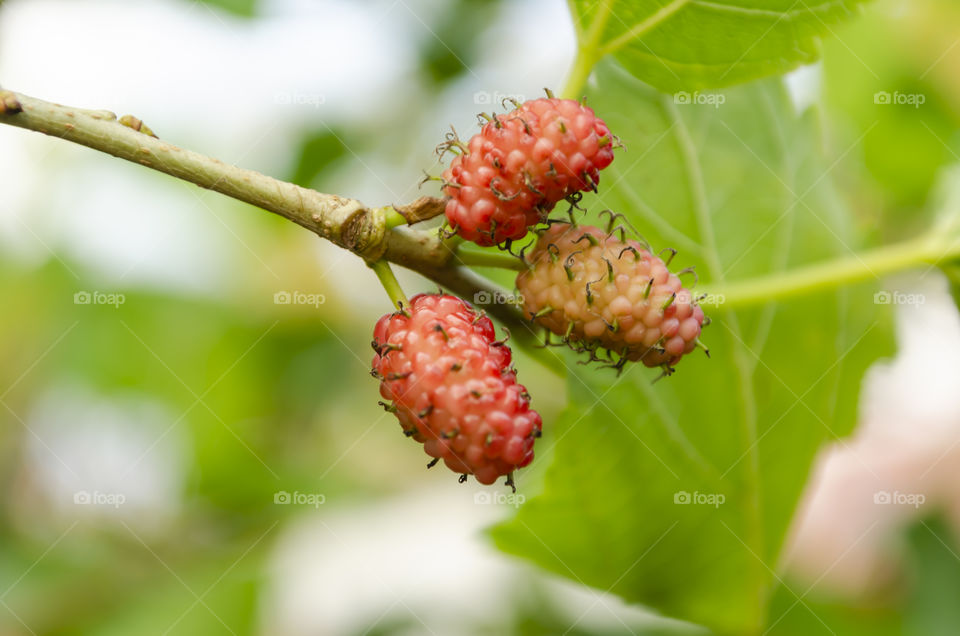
{"points": [[443, 373]]}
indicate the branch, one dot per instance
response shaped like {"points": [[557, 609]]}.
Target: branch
{"points": [[346, 222], [368, 232]]}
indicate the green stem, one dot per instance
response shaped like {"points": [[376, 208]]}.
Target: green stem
{"points": [[477, 258], [392, 218], [579, 72], [385, 273], [588, 45], [930, 250]]}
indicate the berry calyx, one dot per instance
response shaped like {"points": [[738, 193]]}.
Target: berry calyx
{"points": [[598, 290], [453, 389], [514, 171]]}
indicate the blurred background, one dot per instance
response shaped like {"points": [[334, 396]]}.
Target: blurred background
{"points": [[189, 437]]}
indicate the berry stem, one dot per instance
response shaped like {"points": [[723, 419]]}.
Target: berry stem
{"points": [[478, 258], [389, 281], [591, 48], [393, 219], [588, 50], [579, 73]]}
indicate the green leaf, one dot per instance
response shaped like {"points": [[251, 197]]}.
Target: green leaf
{"points": [[317, 152], [690, 44], [819, 615], [931, 607], [953, 276], [739, 188], [449, 45]]}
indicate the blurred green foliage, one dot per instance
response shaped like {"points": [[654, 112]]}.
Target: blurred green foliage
{"points": [[318, 151], [242, 8], [452, 49], [258, 430], [888, 80]]}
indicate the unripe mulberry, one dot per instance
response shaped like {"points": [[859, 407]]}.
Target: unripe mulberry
{"points": [[453, 388], [599, 290], [520, 165]]}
